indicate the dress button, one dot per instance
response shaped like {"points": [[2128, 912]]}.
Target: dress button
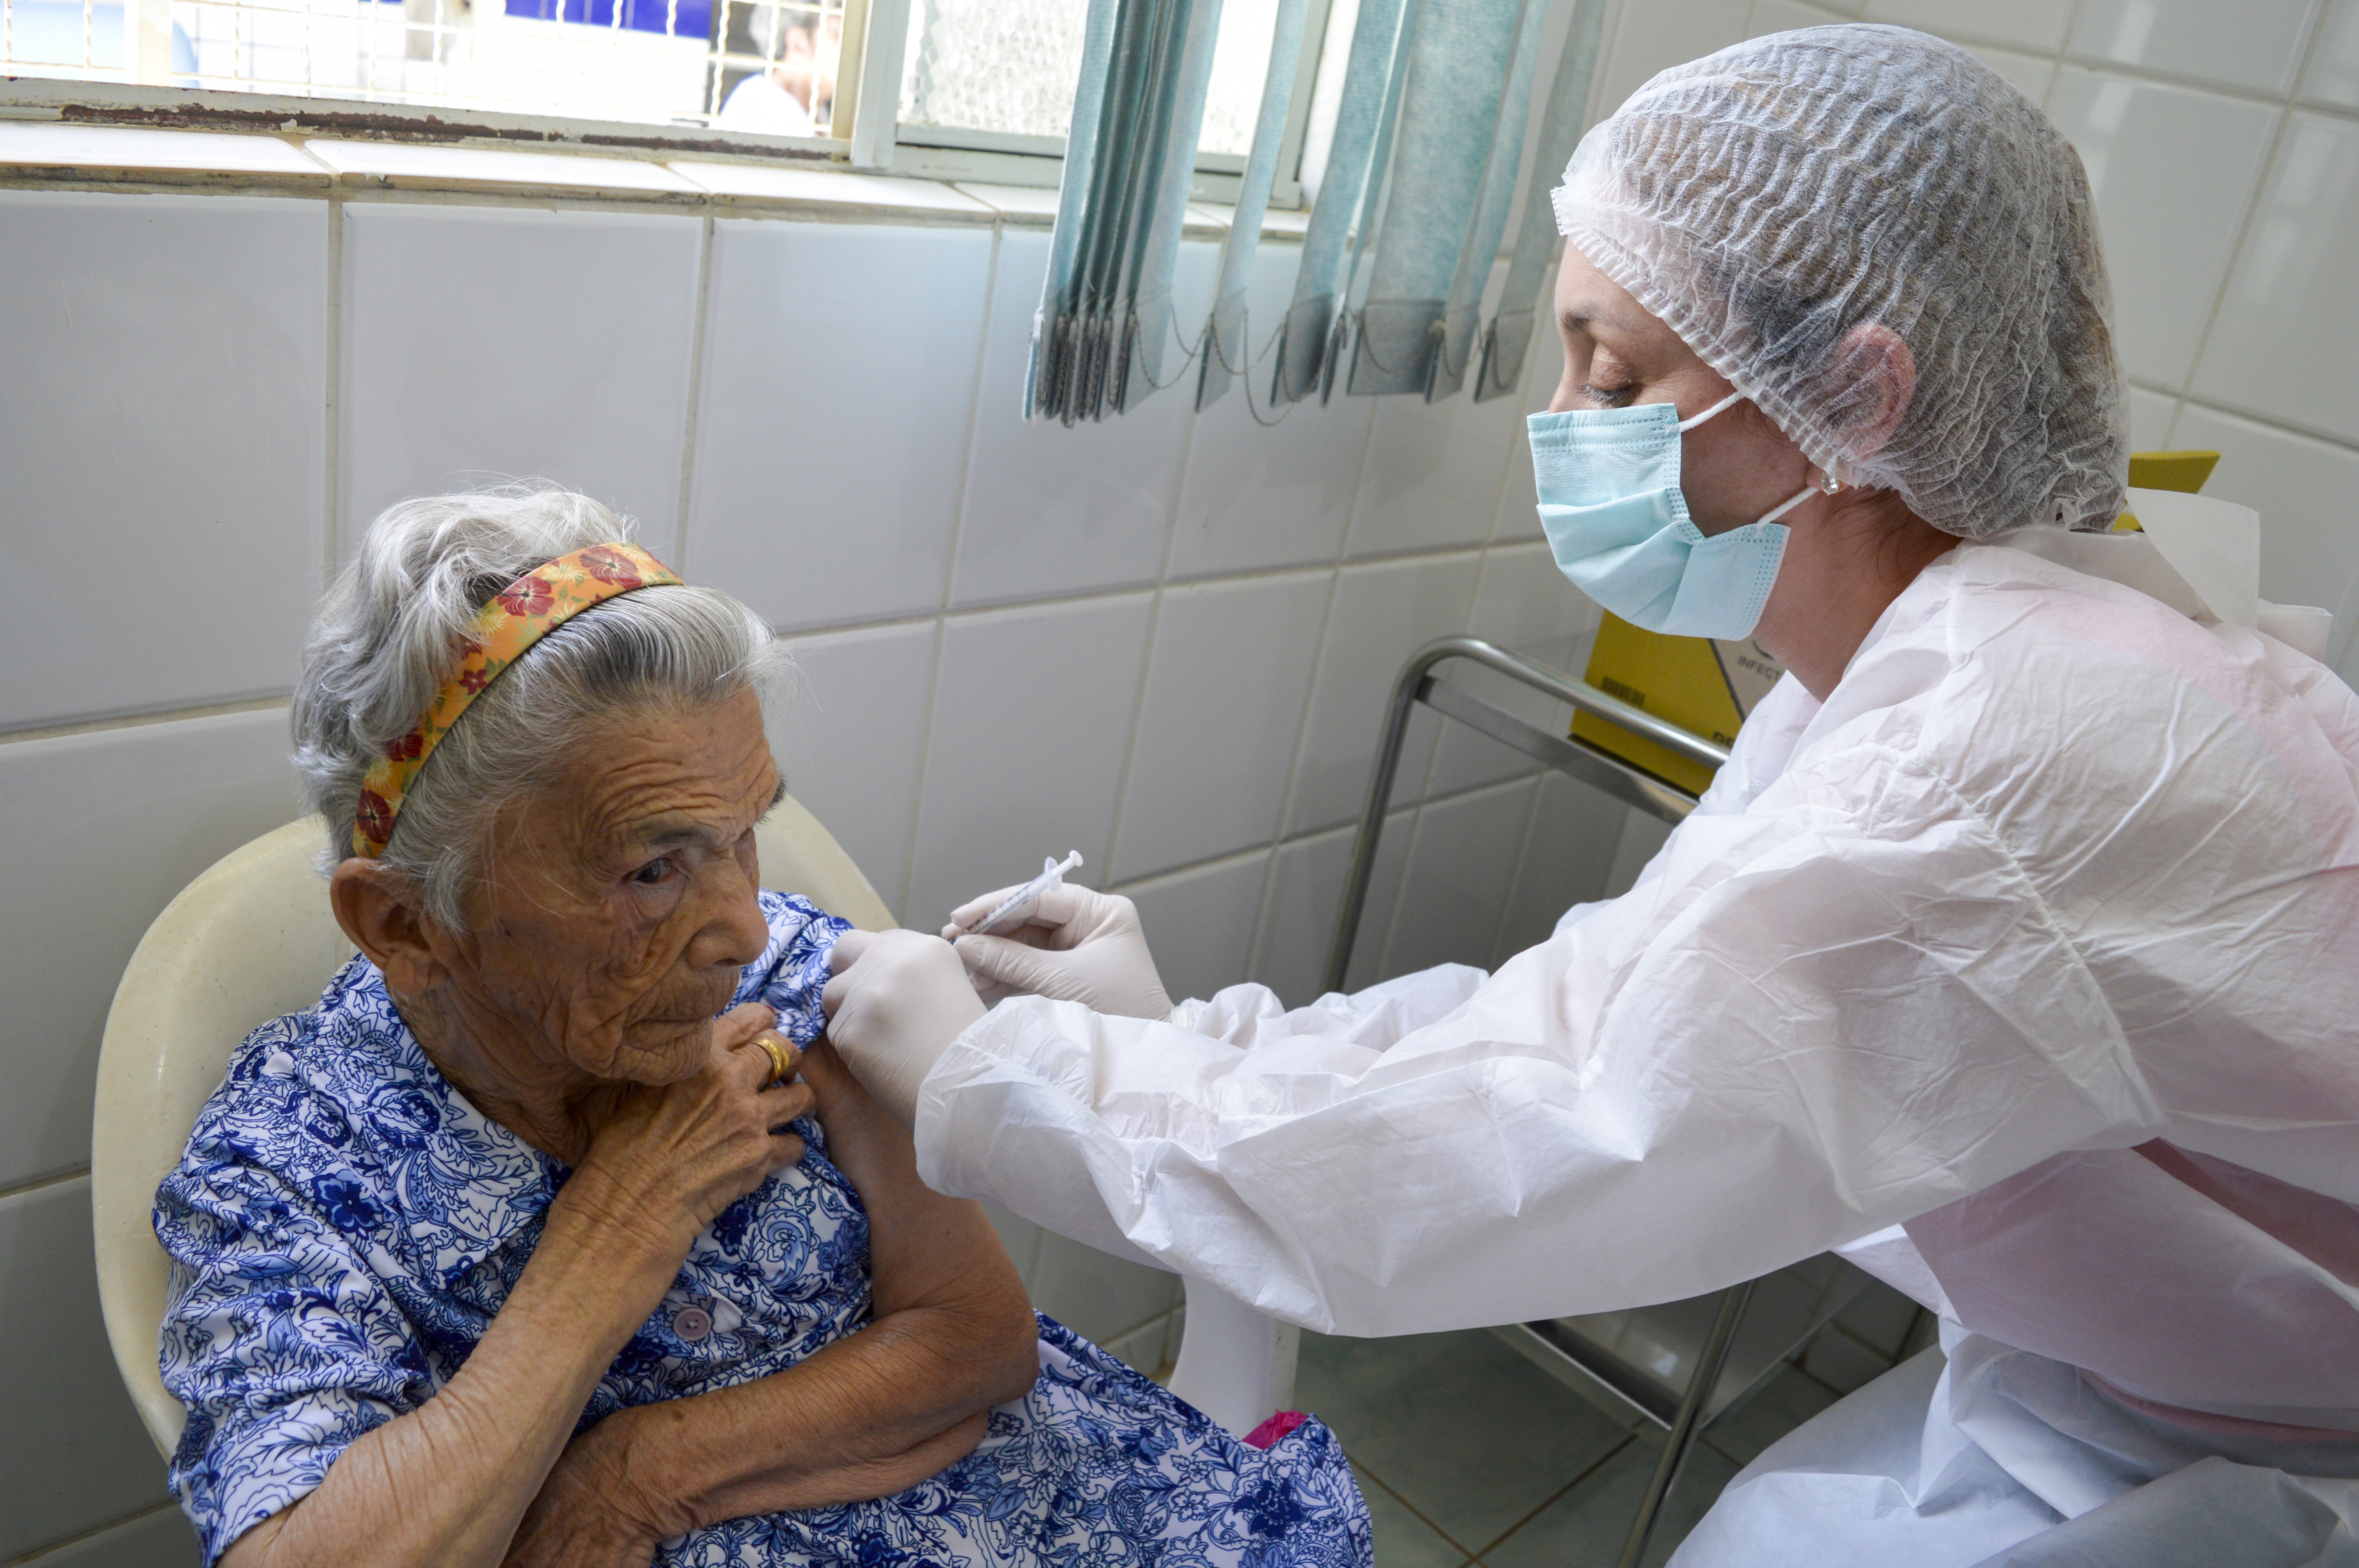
{"points": [[691, 1323]]}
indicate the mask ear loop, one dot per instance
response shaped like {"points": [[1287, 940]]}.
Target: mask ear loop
{"points": [[1732, 399]]}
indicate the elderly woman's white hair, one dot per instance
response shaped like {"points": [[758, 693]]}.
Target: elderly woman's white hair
{"points": [[387, 634]]}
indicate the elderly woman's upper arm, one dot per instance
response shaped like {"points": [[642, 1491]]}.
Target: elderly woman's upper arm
{"points": [[282, 1342]]}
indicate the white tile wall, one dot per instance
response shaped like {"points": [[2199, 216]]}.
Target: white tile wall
{"points": [[1225, 698], [2334, 73], [163, 405], [2286, 337], [2173, 169], [1462, 858], [1200, 923], [1382, 614], [97, 832], [159, 1539], [72, 1449], [1258, 494], [2036, 25], [1031, 723], [485, 344], [851, 737], [2254, 44], [976, 600], [1050, 510], [830, 430]]}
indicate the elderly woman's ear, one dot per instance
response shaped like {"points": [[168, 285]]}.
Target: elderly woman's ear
{"points": [[384, 921]]}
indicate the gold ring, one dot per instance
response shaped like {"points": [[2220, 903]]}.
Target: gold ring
{"points": [[782, 1060]]}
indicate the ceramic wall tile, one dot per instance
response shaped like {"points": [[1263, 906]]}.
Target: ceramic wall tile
{"points": [[1306, 893], [1567, 857], [1054, 510], [831, 431], [1524, 605], [1433, 473], [1098, 1296], [1785, 16], [166, 404], [2332, 76], [1652, 38], [1382, 614], [1461, 871], [1032, 717], [1200, 923], [1225, 687], [2150, 416], [2032, 75], [2173, 169], [1643, 835], [70, 1444], [851, 737], [158, 1539], [98, 832], [2256, 44], [2034, 24], [1019, 1236], [1258, 495], [2304, 491], [483, 344], [2286, 337], [1543, 370]]}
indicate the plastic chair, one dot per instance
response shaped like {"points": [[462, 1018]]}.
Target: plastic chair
{"points": [[253, 938]]}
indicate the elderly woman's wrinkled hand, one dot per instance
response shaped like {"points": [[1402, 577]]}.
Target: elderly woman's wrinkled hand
{"points": [[665, 1160], [895, 1002]]}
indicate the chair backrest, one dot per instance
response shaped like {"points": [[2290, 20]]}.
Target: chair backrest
{"points": [[250, 939]]}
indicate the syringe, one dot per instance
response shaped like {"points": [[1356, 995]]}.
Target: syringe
{"points": [[1052, 874]]}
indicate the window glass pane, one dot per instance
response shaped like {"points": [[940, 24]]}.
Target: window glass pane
{"points": [[1004, 65], [753, 65], [1007, 68]]}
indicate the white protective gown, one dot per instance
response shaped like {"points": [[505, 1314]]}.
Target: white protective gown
{"points": [[2025, 969]]}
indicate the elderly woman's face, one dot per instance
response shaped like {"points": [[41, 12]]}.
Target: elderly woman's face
{"points": [[1735, 466], [619, 905]]}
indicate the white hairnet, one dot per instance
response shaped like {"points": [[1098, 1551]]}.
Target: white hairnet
{"points": [[1766, 201]]}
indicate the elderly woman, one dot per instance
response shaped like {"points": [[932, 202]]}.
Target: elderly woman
{"points": [[2015, 949], [554, 1233]]}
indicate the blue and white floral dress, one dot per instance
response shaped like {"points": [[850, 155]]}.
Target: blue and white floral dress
{"points": [[345, 1226]]}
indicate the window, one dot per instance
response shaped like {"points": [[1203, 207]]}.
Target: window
{"points": [[985, 85]]}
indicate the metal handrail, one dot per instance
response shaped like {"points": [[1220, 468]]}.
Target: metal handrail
{"points": [[1587, 762], [1634, 787]]}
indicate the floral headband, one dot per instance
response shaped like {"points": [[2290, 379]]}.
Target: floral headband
{"points": [[517, 617]]}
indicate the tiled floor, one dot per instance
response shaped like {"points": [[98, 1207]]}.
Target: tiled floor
{"points": [[1469, 1455]]}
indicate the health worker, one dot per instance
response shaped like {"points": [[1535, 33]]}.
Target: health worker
{"points": [[2015, 951]]}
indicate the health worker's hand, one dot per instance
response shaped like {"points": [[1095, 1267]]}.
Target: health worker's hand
{"points": [[1074, 944], [895, 1002]]}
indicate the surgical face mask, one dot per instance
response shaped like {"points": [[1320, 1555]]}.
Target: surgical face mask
{"points": [[1609, 494]]}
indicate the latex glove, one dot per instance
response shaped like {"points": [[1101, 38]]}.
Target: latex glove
{"points": [[896, 1001], [1075, 944]]}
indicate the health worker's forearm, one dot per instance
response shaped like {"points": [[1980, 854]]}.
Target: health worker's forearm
{"points": [[444, 1486]]}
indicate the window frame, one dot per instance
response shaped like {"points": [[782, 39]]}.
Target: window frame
{"points": [[868, 93]]}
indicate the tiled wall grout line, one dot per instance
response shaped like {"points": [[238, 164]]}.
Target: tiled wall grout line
{"points": [[696, 330], [332, 390], [54, 1178], [1137, 721], [2287, 108], [1516, 876], [135, 721], [1264, 906], [34, 1559], [950, 566]]}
